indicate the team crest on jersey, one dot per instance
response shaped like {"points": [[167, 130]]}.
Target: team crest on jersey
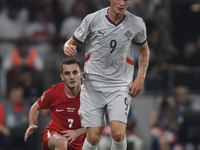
{"points": [[42, 97], [128, 34], [80, 30]]}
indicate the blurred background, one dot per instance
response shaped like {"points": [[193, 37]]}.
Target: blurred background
{"points": [[165, 116]]}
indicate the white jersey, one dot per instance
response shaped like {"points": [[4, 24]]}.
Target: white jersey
{"points": [[109, 61]]}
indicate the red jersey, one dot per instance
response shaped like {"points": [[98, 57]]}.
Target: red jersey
{"points": [[64, 110]]}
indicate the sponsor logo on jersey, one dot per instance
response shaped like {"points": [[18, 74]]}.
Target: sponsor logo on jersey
{"points": [[43, 95], [70, 109], [80, 30], [128, 34]]}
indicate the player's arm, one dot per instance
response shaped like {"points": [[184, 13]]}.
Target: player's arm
{"points": [[73, 134], [33, 117], [143, 63], [70, 47]]}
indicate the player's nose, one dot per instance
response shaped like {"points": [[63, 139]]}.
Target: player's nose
{"points": [[121, 2], [71, 76]]}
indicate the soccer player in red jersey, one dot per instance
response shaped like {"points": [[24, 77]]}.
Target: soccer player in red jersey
{"points": [[64, 131]]}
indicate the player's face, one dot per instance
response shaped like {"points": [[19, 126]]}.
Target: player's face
{"points": [[119, 6], [71, 75]]}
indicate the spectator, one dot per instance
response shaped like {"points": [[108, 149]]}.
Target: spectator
{"points": [[66, 7], [160, 34], [184, 103], [145, 8], [185, 60], [101, 3], [14, 121], [134, 142], [41, 32], [184, 66], [23, 55], [31, 83], [13, 19], [154, 79], [70, 24], [187, 110], [165, 126]]}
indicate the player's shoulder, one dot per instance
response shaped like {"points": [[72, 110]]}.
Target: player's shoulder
{"points": [[56, 87], [55, 91], [133, 18]]}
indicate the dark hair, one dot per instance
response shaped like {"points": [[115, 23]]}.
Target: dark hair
{"points": [[69, 61]]}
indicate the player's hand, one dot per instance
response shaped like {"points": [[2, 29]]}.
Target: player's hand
{"points": [[137, 86], [71, 135], [29, 131], [69, 50]]}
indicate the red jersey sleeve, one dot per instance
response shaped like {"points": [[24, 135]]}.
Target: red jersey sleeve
{"points": [[45, 100], [2, 114]]}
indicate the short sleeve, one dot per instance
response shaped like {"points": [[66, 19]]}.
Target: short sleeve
{"points": [[45, 100], [141, 36], [83, 30]]}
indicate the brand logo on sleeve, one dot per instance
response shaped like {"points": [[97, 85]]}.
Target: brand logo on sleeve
{"points": [[80, 30], [42, 97]]}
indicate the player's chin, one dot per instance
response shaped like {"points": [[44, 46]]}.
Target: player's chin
{"points": [[71, 85], [120, 11]]}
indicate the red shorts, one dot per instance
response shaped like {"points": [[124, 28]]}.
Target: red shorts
{"points": [[45, 138], [75, 145]]}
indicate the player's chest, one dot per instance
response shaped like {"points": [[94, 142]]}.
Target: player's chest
{"points": [[66, 107], [104, 33]]}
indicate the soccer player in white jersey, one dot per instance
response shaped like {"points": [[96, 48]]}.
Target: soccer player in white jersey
{"points": [[109, 35]]}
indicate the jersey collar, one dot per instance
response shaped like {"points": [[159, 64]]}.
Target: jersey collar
{"points": [[116, 24]]}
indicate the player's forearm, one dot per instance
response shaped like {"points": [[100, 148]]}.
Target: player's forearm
{"points": [[71, 41], [81, 131], [33, 115], [143, 61]]}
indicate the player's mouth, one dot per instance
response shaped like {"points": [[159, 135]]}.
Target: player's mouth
{"points": [[72, 82], [120, 9]]}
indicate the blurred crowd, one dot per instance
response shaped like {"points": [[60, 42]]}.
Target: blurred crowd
{"points": [[32, 34]]}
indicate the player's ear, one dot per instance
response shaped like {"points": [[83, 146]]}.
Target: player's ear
{"points": [[81, 74], [61, 75]]}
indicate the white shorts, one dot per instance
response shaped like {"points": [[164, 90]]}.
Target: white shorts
{"points": [[94, 104]]}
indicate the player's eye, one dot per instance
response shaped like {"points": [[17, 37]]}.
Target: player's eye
{"points": [[75, 72], [67, 73]]}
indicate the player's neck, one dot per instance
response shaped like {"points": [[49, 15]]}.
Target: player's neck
{"points": [[72, 92], [114, 16]]}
